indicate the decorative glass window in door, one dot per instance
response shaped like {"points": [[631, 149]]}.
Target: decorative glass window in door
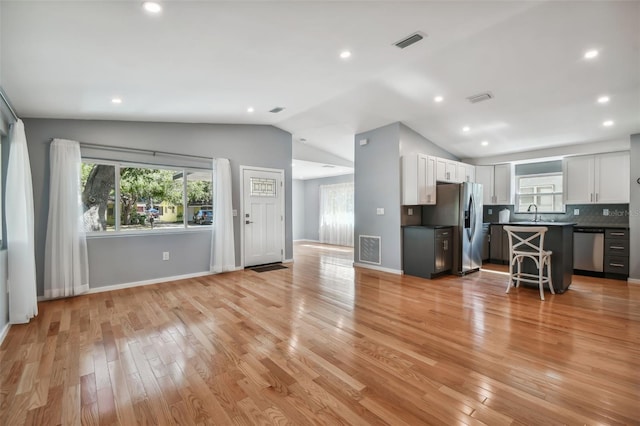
{"points": [[263, 187]]}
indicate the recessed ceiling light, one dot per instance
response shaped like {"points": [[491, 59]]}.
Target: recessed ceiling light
{"points": [[608, 123], [250, 109], [438, 99], [484, 143], [590, 54], [603, 99], [466, 128], [152, 7], [116, 100], [345, 54]]}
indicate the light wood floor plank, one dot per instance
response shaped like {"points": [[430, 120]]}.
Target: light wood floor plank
{"points": [[323, 343]]}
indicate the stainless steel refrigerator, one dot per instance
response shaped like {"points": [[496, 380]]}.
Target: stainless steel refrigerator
{"points": [[460, 206]]}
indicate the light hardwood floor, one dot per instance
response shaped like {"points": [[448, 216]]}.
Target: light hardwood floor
{"points": [[323, 343]]}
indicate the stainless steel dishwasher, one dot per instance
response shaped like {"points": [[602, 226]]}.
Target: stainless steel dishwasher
{"points": [[588, 249]]}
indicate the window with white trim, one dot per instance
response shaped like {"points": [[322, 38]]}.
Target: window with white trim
{"points": [[539, 183], [122, 196]]}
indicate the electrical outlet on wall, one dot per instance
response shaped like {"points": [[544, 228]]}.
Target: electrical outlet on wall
{"points": [[605, 212], [410, 211], [165, 255], [380, 211], [490, 211], [576, 212]]}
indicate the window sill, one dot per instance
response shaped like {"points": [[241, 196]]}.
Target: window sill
{"points": [[120, 234], [539, 213]]}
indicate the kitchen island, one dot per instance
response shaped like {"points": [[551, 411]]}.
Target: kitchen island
{"points": [[559, 240]]}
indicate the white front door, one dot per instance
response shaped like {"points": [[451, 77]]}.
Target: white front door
{"points": [[263, 216]]}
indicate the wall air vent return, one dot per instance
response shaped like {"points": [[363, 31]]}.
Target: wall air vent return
{"points": [[370, 249], [277, 110], [408, 41], [480, 97]]}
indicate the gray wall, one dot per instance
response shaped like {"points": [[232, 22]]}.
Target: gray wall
{"points": [[634, 209], [412, 142], [124, 259], [4, 299], [298, 219], [312, 203], [377, 184]]}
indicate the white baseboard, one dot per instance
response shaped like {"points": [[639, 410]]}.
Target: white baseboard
{"points": [[140, 283], [633, 280], [305, 240], [4, 332], [377, 268], [287, 261]]}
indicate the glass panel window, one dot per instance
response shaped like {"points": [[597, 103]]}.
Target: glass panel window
{"points": [[98, 195], [263, 187], [144, 195], [199, 198], [126, 197], [543, 190]]}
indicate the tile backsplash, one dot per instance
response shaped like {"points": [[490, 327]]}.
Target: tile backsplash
{"points": [[590, 214]]}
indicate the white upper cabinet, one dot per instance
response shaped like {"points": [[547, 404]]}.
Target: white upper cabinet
{"points": [[465, 172], [496, 183], [418, 179], [453, 171], [597, 179]]}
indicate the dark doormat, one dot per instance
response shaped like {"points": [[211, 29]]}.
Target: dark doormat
{"points": [[267, 268]]}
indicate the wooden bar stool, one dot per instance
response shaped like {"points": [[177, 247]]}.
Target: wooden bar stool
{"points": [[528, 242]]}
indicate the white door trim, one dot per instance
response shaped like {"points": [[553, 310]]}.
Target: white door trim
{"points": [[282, 208]]}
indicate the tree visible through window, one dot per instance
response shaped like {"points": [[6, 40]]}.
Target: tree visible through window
{"points": [[120, 196]]}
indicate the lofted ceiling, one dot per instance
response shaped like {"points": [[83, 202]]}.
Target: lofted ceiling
{"points": [[208, 61]]}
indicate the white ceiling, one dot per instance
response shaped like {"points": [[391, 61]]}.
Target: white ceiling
{"points": [[305, 170], [208, 61]]}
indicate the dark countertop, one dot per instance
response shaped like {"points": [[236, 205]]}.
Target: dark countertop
{"points": [[603, 225], [531, 223], [428, 226]]}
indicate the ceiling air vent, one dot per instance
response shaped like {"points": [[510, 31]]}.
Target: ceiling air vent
{"points": [[277, 110], [328, 166], [480, 97], [408, 41]]}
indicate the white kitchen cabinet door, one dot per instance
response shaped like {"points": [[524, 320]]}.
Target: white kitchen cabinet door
{"points": [[485, 176], [418, 180], [445, 170], [612, 175], [465, 172], [429, 191], [502, 184], [578, 177]]}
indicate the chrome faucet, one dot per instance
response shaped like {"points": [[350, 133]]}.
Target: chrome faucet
{"points": [[535, 215]]}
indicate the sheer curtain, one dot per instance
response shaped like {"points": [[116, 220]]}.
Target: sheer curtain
{"points": [[66, 268], [223, 253], [336, 214], [23, 299]]}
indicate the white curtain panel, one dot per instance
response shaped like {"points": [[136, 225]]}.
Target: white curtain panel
{"points": [[66, 268], [336, 214], [23, 299], [223, 252]]}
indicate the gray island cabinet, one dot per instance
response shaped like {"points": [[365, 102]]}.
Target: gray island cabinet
{"points": [[558, 239]]}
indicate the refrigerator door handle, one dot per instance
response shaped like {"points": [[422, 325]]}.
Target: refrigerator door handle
{"points": [[472, 220]]}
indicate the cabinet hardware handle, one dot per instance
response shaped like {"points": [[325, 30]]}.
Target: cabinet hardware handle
{"points": [[591, 196], [445, 244], [596, 197], [618, 234], [616, 248], [617, 265]]}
